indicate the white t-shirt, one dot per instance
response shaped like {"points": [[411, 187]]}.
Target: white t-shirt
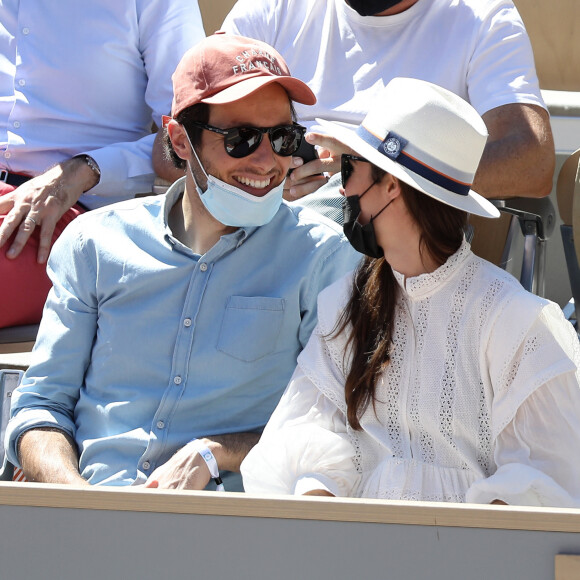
{"points": [[480, 400], [479, 49]]}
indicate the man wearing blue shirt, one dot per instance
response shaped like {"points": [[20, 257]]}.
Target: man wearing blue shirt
{"points": [[174, 322]]}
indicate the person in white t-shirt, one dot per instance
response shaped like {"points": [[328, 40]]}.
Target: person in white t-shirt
{"points": [[348, 50], [432, 374]]}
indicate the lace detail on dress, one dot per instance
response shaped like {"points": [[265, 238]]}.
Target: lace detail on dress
{"points": [[391, 389], [450, 366], [416, 495], [488, 299], [425, 441], [483, 451], [418, 286], [355, 440], [529, 348]]}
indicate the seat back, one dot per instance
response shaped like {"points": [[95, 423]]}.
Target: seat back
{"points": [[17, 338], [568, 196], [494, 239], [9, 380]]}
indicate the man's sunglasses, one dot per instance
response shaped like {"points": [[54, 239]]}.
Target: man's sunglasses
{"points": [[346, 166], [243, 141]]}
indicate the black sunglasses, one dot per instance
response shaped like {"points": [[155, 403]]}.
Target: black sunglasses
{"points": [[243, 141], [346, 167]]}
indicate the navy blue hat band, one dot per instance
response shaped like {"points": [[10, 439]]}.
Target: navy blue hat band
{"points": [[392, 147]]}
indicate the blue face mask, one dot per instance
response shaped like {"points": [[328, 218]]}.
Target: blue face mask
{"points": [[232, 206]]}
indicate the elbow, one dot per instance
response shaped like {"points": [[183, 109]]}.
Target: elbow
{"points": [[544, 166], [540, 172], [544, 180]]}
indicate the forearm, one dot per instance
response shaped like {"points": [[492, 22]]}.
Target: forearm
{"points": [[519, 158], [49, 456]]}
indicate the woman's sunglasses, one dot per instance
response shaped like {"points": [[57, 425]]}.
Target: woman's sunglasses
{"points": [[243, 141], [346, 166]]}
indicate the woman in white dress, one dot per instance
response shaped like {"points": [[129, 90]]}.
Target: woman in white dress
{"points": [[432, 375]]}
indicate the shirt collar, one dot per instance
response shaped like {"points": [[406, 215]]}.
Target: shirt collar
{"points": [[419, 287]]}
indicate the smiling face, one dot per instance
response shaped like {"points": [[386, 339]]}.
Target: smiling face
{"points": [[262, 170]]}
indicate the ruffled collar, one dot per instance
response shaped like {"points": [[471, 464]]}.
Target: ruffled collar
{"points": [[419, 287]]}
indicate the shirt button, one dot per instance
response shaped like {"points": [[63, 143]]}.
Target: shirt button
{"points": [[26, 31], [187, 322], [16, 124], [21, 82], [7, 155], [160, 424], [177, 380], [203, 266], [146, 465]]}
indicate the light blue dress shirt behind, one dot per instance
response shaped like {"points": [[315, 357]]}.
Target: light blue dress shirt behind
{"points": [[90, 76], [145, 345]]}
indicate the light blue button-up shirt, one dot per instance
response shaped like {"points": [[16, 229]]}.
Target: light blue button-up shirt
{"points": [[145, 345]]}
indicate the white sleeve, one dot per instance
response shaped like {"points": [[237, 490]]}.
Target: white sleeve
{"points": [[167, 28], [253, 18], [501, 68], [304, 446], [537, 453], [536, 408]]}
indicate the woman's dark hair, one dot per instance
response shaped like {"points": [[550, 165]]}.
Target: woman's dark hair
{"points": [[370, 312], [200, 114]]}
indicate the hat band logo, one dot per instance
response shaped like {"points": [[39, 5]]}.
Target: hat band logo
{"points": [[392, 147]]}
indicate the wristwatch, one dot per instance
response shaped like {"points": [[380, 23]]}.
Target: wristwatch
{"points": [[91, 163]]}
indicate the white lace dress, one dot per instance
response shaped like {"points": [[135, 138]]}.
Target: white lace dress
{"points": [[480, 402]]}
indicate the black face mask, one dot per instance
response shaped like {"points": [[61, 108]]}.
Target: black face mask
{"points": [[372, 7], [361, 238]]}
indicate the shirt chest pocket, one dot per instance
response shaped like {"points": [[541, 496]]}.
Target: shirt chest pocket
{"points": [[251, 326]]}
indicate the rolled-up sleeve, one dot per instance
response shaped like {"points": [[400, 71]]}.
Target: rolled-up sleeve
{"points": [[49, 390]]}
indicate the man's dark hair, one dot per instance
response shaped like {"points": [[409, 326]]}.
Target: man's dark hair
{"points": [[198, 112]]}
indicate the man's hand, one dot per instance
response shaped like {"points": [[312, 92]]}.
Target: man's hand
{"points": [[187, 470], [308, 177], [41, 202]]}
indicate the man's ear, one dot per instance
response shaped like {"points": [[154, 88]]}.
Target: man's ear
{"points": [[179, 139]]}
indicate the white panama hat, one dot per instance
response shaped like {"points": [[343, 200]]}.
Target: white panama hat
{"points": [[426, 136]]}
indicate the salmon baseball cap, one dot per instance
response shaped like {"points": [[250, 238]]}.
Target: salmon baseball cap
{"points": [[223, 68]]}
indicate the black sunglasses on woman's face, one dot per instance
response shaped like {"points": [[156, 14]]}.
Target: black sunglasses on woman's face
{"points": [[346, 167]]}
